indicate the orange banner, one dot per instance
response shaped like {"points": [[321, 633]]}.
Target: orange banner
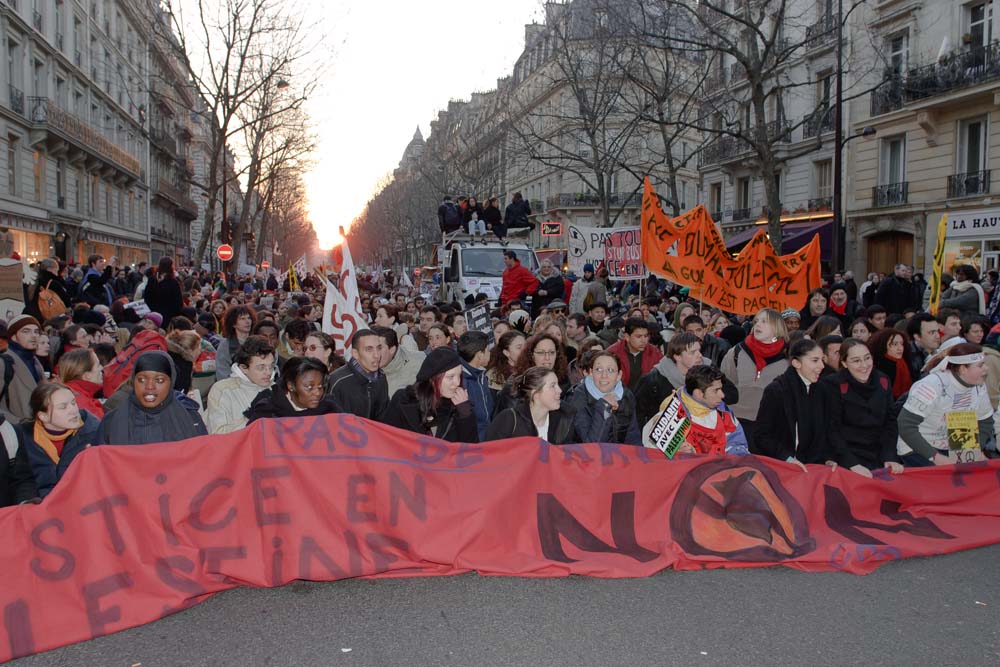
{"points": [[688, 250]]}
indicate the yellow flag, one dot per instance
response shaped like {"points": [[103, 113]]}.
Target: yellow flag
{"points": [[938, 267], [293, 280]]}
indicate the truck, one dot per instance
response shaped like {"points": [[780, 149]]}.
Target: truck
{"points": [[476, 267]]}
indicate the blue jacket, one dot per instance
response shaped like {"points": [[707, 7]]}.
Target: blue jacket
{"points": [[46, 472], [483, 399]]}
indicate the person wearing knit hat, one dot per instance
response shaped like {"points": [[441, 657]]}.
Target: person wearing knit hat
{"points": [[792, 319], [436, 404], [22, 370], [151, 321]]}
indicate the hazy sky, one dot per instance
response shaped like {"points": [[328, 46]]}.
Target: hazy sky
{"points": [[396, 63]]}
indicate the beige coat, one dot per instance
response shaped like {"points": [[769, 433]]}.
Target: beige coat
{"points": [[228, 400], [16, 405], [743, 373], [402, 370]]}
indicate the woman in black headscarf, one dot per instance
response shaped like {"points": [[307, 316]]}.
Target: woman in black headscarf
{"points": [[153, 412], [299, 392]]}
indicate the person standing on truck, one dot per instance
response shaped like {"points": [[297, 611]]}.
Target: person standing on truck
{"points": [[493, 219], [517, 213], [449, 216], [518, 282]]}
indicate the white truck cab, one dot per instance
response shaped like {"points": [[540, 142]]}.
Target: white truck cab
{"points": [[475, 267]]}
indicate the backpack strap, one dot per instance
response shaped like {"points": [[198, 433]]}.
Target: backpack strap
{"points": [[8, 375], [10, 440]]}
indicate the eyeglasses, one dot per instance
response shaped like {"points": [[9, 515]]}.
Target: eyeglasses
{"points": [[604, 371], [548, 353]]}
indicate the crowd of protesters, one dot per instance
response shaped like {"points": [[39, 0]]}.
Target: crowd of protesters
{"points": [[861, 377]]}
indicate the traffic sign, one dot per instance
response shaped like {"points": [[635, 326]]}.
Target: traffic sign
{"points": [[224, 252], [551, 229], [265, 265]]}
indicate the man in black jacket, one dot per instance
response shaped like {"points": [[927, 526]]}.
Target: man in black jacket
{"points": [[550, 288], [517, 212], [360, 386], [897, 293], [94, 289]]}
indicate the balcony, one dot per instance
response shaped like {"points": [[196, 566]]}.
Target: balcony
{"points": [[741, 214], [164, 189], [819, 121], [728, 148], [55, 126], [164, 140], [822, 32], [893, 194], [959, 69], [717, 216], [968, 185], [821, 204], [16, 100], [36, 20], [589, 200]]}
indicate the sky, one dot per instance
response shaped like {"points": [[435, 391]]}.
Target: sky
{"points": [[394, 65]]}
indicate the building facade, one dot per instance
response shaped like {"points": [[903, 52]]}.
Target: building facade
{"points": [[936, 108]]}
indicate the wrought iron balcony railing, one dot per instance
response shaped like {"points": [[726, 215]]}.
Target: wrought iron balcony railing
{"points": [[892, 194], [45, 112], [818, 122], [584, 199], [821, 32], [973, 183]]}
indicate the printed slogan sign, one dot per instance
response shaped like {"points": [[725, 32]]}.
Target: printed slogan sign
{"points": [[132, 534], [689, 251], [590, 245]]}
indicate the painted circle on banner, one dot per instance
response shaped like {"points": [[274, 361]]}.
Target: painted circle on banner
{"points": [[224, 252], [577, 242], [740, 511]]}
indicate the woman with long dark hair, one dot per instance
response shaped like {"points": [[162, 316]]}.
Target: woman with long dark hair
{"points": [[436, 404], [506, 353], [862, 429], [163, 294], [539, 350], [536, 410], [890, 350], [237, 324], [299, 392]]}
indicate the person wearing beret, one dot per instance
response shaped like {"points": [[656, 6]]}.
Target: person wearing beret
{"points": [[436, 404]]}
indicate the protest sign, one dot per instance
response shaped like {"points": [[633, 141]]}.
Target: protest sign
{"points": [[140, 307], [588, 245], [689, 251], [12, 280], [670, 428], [132, 534], [623, 255], [478, 319]]}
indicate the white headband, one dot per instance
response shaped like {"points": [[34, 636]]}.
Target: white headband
{"points": [[963, 359]]}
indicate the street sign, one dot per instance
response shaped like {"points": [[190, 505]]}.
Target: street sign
{"points": [[265, 265], [551, 229], [224, 252]]}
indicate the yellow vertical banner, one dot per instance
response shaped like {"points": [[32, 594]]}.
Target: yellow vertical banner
{"points": [[293, 280], [938, 267]]}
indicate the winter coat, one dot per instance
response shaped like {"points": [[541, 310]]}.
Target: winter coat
{"points": [[650, 357], [553, 286], [788, 414], [482, 398], [714, 348], [17, 483], [516, 422], [402, 370], [52, 282], [228, 402], [595, 421], [966, 301], [595, 289], [862, 419], [165, 297], [15, 405], [738, 366], [358, 395], [516, 214], [518, 282], [896, 295], [452, 423], [665, 378], [273, 403], [224, 356], [46, 471], [94, 288]]}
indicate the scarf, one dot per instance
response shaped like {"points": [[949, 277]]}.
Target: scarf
{"points": [[840, 310], [963, 285], [618, 391], [356, 367], [28, 357], [693, 406], [761, 352], [51, 442], [902, 381]]}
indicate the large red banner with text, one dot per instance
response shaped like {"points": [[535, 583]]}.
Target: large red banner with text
{"points": [[134, 533]]}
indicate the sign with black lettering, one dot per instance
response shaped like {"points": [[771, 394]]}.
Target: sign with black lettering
{"points": [[478, 319], [551, 229]]}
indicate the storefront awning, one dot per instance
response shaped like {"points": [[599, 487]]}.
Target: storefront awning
{"points": [[794, 236]]}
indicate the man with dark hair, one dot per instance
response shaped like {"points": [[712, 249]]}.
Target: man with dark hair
{"points": [[877, 315], [712, 427], [518, 281], [635, 355], [517, 212], [399, 364], [449, 216], [293, 339], [576, 330], [897, 292], [925, 336], [429, 316], [712, 347], [229, 399], [94, 288], [596, 315], [359, 386], [473, 348], [831, 353], [951, 323]]}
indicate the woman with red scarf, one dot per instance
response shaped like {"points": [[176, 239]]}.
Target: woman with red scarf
{"points": [[891, 352], [81, 372], [754, 363]]}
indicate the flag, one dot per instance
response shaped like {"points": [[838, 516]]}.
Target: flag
{"points": [[342, 315], [293, 280], [938, 267], [405, 278], [301, 266]]}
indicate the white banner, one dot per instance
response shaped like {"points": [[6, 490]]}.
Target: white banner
{"points": [[342, 315], [587, 245]]}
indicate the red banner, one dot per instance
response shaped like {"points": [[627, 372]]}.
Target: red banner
{"points": [[623, 254], [134, 533]]}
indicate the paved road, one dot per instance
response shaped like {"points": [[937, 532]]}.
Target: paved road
{"points": [[915, 612]]}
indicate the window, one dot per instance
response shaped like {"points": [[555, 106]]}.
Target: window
{"points": [[980, 21], [12, 164], [743, 193], [715, 197], [971, 145], [61, 183], [38, 78], [824, 88], [897, 51], [893, 160], [823, 172], [107, 202], [94, 193], [39, 176]]}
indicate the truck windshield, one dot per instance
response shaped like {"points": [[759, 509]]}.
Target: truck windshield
{"points": [[488, 262]]}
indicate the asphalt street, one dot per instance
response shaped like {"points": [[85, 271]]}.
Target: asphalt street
{"points": [[934, 611]]}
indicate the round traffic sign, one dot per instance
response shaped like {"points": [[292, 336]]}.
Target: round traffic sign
{"points": [[265, 265], [224, 252]]}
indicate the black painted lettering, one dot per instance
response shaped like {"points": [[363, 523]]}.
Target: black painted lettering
{"points": [[415, 501], [105, 506], [68, 562], [556, 522], [356, 497], [263, 493], [198, 505], [100, 617]]}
